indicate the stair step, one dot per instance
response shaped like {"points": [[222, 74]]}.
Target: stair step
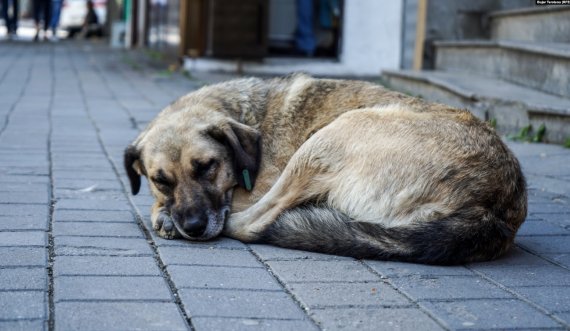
{"points": [[551, 24], [513, 106], [543, 66]]}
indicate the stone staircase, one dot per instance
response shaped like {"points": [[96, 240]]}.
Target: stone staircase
{"points": [[520, 77]]}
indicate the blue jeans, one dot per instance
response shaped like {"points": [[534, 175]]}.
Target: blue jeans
{"points": [[11, 20], [55, 12], [305, 35]]}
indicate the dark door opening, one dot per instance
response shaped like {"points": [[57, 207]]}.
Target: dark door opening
{"points": [[305, 28], [253, 29]]}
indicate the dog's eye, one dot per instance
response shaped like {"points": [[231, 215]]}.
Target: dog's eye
{"points": [[162, 181], [204, 168]]}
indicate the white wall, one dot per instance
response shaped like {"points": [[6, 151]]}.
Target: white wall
{"points": [[372, 35]]}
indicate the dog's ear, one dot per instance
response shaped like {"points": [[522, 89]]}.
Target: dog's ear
{"points": [[244, 143], [132, 166]]}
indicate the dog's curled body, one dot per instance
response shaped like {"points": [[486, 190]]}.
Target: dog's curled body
{"points": [[340, 167]]}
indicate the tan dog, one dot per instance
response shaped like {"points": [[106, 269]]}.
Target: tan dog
{"points": [[341, 167]]}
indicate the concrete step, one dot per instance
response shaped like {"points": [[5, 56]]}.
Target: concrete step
{"points": [[543, 66], [512, 106], [538, 24]]}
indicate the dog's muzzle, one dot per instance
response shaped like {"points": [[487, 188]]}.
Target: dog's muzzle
{"points": [[207, 225], [195, 226]]}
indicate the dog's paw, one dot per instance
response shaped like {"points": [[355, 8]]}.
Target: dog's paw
{"points": [[158, 220], [164, 226]]}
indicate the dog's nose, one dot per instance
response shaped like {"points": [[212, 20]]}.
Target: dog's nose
{"points": [[195, 225]]}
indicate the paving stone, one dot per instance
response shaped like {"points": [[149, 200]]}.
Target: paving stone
{"points": [[90, 193], [23, 256], [563, 259], [101, 246], [143, 199], [23, 223], [321, 271], [103, 229], [24, 210], [268, 253], [546, 244], [527, 275], [199, 256], [564, 316], [374, 319], [347, 294], [546, 208], [110, 288], [85, 204], [553, 299], [91, 174], [24, 197], [233, 303], [237, 324], [23, 187], [514, 257], [541, 228], [77, 184], [27, 171], [106, 266], [489, 314], [219, 242], [23, 279], [448, 287], [84, 162], [22, 305], [23, 238], [93, 216], [562, 219], [119, 316], [400, 269], [23, 325], [222, 278], [24, 179]]}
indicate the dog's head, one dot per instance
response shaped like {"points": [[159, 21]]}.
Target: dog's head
{"points": [[193, 163]]}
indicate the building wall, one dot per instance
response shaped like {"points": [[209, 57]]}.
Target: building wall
{"points": [[409, 34], [372, 36], [371, 41]]}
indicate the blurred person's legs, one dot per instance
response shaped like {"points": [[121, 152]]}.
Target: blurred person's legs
{"points": [[55, 13], [305, 34], [42, 14], [10, 13], [5, 15]]}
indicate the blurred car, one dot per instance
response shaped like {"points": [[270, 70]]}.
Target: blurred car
{"points": [[73, 14]]}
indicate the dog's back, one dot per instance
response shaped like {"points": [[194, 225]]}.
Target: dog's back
{"points": [[431, 187]]}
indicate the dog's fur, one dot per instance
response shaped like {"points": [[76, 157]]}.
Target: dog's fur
{"points": [[341, 167]]}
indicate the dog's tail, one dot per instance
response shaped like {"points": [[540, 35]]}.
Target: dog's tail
{"points": [[459, 238]]}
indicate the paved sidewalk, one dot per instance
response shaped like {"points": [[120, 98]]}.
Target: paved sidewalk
{"points": [[77, 253]]}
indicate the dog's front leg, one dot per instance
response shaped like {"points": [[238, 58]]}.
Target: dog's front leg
{"points": [[162, 223], [290, 190]]}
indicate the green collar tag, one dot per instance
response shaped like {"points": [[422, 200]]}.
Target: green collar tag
{"points": [[246, 179]]}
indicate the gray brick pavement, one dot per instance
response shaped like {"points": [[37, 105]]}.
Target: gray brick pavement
{"points": [[92, 261], [118, 316], [238, 303], [490, 314], [393, 318], [97, 288]]}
